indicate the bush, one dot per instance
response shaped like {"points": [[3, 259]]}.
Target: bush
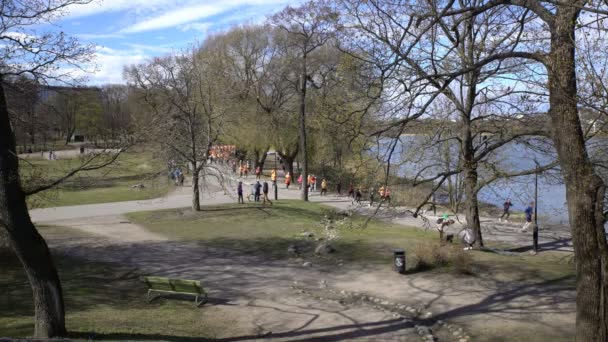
{"points": [[432, 255]]}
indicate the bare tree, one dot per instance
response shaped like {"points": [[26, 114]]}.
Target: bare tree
{"points": [[37, 56], [547, 40], [189, 101], [308, 27]]}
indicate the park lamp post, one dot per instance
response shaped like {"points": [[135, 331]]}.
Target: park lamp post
{"points": [[535, 229], [274, 182]]}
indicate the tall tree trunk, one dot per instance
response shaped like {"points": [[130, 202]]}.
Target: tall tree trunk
{"points": [[584, 189], [196, 202], [25, 241], [303, 145], [472, 204], [260, 158], [288, 159], [470, 180]]}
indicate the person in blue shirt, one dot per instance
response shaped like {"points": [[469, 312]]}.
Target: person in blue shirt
{"points": [[529, 210]]}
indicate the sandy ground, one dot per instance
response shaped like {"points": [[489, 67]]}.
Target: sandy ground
{"points": [[292, 301]]}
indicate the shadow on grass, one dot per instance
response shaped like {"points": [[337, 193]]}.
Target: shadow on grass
{"points": [[336, 333]]}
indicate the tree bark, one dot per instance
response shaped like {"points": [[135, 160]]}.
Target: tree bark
{"points": [[303, 145], [470, 180], [260, 158], [289, 158], [585, 191], [25, 241], [196, 202]]}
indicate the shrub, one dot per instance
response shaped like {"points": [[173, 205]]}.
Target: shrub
{"points": [[432, 255]]}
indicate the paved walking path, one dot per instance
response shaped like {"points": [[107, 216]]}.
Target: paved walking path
{"points": [[551, 237]]}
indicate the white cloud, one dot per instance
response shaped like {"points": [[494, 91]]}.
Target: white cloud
{"points": [[177, 17], [202, 27], [109, 6], [186, 14], [110, 66], [90, 36]]}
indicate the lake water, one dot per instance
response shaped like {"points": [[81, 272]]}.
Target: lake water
{"points": [[413, 156]]}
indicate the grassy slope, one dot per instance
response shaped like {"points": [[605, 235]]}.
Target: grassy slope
{"points": [[110, 184]]}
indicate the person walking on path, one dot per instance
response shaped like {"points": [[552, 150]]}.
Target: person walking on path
{"points": [[529, 210], [287, 180], [351, 190], [258, 187], [265, 192], [273, 175], [246, 170], [258, 173], [313, 180], [241, 170], [339, 187], [323, 187], [387, 196], [300, 182], [371, 196], [505, 210], [357, 198], [239, 191], [309, 181]]}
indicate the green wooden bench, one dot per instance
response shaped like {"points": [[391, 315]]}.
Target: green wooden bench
{"points": [[178, 286]]}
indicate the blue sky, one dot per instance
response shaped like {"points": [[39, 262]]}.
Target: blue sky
{"points": [[131, 31]]}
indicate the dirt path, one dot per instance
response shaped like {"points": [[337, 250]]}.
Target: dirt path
{"points": [[313, 303]]}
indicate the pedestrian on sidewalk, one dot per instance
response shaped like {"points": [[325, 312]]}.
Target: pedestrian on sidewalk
{"points": [[258, 187], [323, 187], [505, 210], [258, 172], [265, 192], [287, 180], [239, 191], [351, 190], [273, 175], [300, 182], [371, 196], [313, 180], [246, 169], [241, 169], [358, 196], [529, 210], [339, 187], [387, 196]]}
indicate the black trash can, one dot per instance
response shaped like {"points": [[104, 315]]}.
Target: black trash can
{"points": [[81, 150], [399, 260]]}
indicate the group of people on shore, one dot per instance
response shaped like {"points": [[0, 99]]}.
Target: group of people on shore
{"points": [[356, 194]]}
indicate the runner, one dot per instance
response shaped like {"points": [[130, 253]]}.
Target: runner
{"points": [[529, 210], [300, 182], [257, 188], [505, 210], [287, 180]]}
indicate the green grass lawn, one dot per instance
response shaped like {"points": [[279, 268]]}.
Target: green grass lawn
{"points": [[269, 231], [103, 301], [110, 184]]}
